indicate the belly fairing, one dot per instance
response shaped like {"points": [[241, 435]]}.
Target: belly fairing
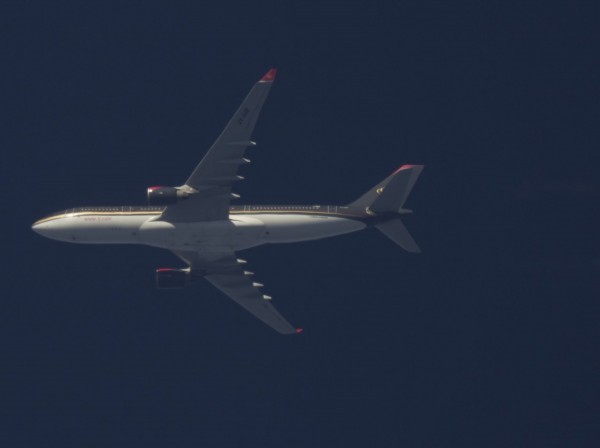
{"points": [[238, 233]]}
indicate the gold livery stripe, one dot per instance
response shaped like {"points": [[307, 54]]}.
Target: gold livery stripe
{"points": [[151, 213]]}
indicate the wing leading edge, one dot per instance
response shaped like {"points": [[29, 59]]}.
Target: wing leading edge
{"points": [[217, 172], [224, 271]]}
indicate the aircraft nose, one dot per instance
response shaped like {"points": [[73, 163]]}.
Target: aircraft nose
{"points": [[55, 229], [38, 228], [47, 230]]}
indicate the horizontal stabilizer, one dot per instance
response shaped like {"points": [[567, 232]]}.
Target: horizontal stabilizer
{"points": [[396, 232]]}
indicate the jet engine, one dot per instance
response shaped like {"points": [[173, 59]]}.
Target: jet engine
{"points": [[172, 278], [165, 195]]}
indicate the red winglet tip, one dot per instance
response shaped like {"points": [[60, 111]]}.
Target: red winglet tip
{"points": [[270, 76], [402, 168], [299, 330]]}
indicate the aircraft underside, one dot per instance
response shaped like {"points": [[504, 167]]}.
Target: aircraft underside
{"points": [[238, 233]]}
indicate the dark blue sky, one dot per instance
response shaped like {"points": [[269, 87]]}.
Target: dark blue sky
{"points": [[489, 338]]}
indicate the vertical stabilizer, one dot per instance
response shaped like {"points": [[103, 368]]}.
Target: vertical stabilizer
{"points": [[390, 194], [393, 196]]}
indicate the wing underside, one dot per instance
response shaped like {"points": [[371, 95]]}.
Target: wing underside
{"points": [[213, 179], [225, 272]]}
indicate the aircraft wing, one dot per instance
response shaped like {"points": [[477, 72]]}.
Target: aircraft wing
{"points": [[224, 270], [216, 173]]}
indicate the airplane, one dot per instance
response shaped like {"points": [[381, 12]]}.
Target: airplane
{"points": [[198, 224]]}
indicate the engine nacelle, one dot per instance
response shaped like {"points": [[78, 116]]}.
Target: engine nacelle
{"points": [[165, 195], [172, 278]]}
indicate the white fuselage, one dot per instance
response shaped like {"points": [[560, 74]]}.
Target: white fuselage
{"points": [[237, 233]]}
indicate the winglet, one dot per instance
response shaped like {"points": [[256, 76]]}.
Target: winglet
{"points": [[403, 167], [270, 76]]}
